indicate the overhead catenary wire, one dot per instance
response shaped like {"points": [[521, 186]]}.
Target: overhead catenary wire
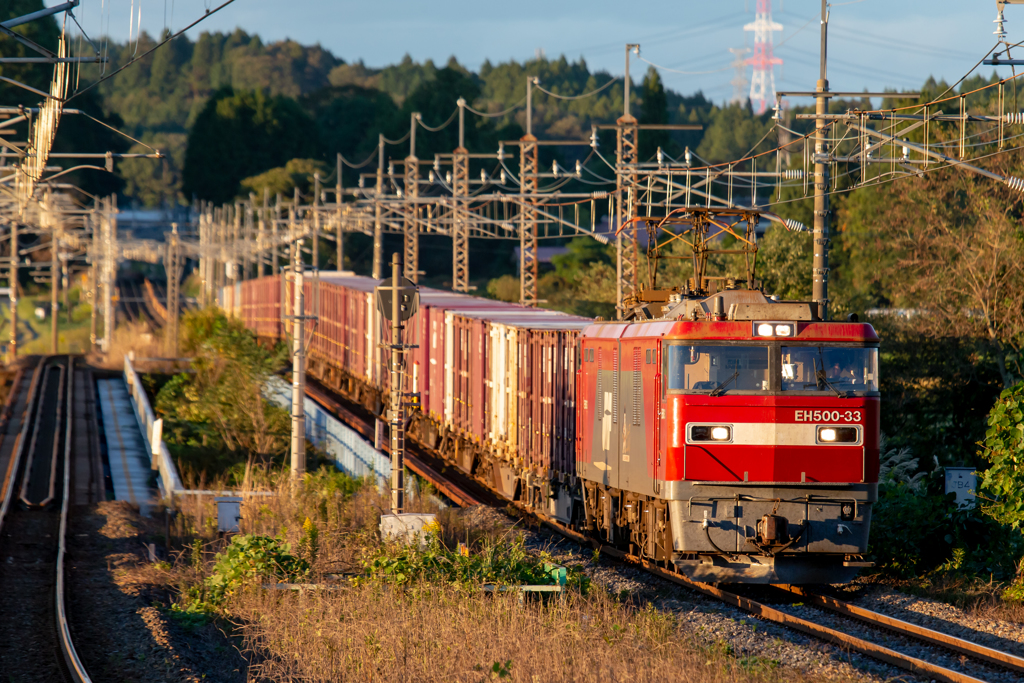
{"points": [[442, 126], [574, 97], [497, 114], [148, 52]]}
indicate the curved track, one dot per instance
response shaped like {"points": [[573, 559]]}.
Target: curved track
{"points": [[35, 640], [464, 490]]}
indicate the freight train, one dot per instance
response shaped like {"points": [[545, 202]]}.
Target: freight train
{"points": [[732, 437]]}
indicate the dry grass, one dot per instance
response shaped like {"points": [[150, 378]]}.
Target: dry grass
{"points": [[369, 631], [375, 633], [129, 336]]}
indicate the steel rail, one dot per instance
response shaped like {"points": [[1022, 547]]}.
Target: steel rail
{"points": [[927, 635], [67, 647], [12, 468]]}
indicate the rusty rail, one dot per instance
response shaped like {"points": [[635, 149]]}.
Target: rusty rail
{"points": [[927, 635]]}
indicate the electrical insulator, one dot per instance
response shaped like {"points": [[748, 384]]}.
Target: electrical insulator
{"points": [[448, 177], [579, 168], [661, 157], [554, 168], [503, 180], [906, 152], [398, 191], [483, 176], [437, 163], [501, 150], [688, 158], [430, 177], [391, 168], [593, 138], [362, 182]]}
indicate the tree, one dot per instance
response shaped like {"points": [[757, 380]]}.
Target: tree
{"points": [[242, 133], [653, 109], [963, 260]]}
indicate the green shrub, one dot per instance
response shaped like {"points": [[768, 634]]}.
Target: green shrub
{"points": [[1002, 485], [502, 563]]}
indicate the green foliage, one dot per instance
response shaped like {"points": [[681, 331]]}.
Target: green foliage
{"points": [[248, 560], [1003, 446], [915, 533], [297, 173], [216, 416], [504, 563], [239, 132], [783, 263], [504, 288]]}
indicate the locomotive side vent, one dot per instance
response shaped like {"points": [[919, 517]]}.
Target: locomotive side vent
{"points": [[615, 386], [637, 386]]}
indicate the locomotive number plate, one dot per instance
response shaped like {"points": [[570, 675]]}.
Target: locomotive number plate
{"points": [[828, 415]]}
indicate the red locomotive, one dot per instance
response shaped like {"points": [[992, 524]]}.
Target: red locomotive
{"points": [[727, 434], [738, 445]]}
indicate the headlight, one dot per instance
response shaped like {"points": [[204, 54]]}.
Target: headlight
{"points": [[710, 433], [783, 330], [764, 330], [837, 435]]}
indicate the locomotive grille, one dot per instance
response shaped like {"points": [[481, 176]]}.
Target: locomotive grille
{"points": [[615, 386], [636, 386], [600, 393]]}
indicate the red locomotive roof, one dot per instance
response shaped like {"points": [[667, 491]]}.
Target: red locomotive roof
{"points": [[731, 330]]}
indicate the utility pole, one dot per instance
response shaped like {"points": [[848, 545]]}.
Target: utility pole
{"points": [[460, 190], [378, 230], [277, 219], [96, 220], [315, 260], [13, 349], [53, 222], [109, 271], [412, 192], [298, 459], [263, 260], [821, 179], [173, 268], [397, 404], [339, 236], [528, 217], [627, 255]]}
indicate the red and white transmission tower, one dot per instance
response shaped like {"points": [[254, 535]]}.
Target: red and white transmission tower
{"points": [[762, 82]]}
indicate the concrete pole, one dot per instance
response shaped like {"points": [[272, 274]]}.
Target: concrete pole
{"points": [[315, 261], [339, 237], [94, 271], [13, 348], [397, 409], [109, 270], [378, 230], [298, 460], [276, 250], [821, 179], [54, 277]]}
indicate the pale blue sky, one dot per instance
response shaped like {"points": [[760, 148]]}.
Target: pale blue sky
{"points": [[872, 44]]}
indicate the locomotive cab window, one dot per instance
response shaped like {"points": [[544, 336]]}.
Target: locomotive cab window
{"points": [[829, 369], [717, 370]]}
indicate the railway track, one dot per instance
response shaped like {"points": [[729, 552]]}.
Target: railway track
{"points": [[35, 639], [135, 304], [467, 491]]}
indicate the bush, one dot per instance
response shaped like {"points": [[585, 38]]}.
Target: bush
{"points": [[502, 563], [1003, 446]]}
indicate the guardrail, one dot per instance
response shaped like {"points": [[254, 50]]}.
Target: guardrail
{"points": [[160, 457]]}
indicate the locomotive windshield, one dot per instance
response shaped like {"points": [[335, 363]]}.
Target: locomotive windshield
{"points": [[717, 370], [821, 368]]}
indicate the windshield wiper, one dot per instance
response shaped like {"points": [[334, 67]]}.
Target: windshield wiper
{"points": [[721, 387], [820, 376]]}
